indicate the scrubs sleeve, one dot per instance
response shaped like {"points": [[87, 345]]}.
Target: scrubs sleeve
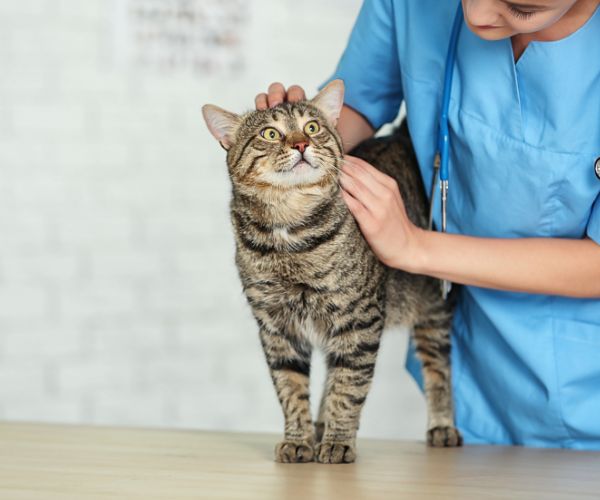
{"points": [[370, 66], [593, 227]]}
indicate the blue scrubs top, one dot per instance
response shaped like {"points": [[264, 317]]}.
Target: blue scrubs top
{"points": [[524, 139]]}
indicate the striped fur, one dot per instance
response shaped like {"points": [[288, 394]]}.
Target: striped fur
{"points": [[312, 281]]}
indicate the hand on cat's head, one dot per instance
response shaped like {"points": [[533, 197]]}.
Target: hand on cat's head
{"points": [[223, 124], [276, 94]]}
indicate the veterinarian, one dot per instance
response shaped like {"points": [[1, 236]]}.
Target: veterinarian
{"points": [[523, 212]]}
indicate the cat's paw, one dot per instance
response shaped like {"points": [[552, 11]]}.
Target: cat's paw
{"points": [[335, 452], [444, 436], [294, 452]]}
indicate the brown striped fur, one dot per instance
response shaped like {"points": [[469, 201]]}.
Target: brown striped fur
{"points": [[312, 280]]}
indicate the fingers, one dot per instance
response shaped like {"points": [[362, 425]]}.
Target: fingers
{"points": [[361, 166], [366, 176], [261, 101], [378, 192], [295, 93], [361, 214], [276, 94], [359, 190]]}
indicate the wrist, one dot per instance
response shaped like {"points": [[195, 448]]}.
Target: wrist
{"points": [[414, 257]]}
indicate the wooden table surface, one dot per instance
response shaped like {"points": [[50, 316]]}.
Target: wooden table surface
{"points": [[48, 461]]}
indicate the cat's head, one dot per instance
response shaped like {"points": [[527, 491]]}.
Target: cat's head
{"points": [[292, 146]]}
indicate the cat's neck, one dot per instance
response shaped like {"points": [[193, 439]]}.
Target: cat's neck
{"points": [[290, 207]]}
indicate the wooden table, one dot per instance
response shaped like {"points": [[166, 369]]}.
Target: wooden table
{"points": [[42, 461]]}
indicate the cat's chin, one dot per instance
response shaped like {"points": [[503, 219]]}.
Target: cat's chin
{"points": [[302, 173], [301, 167]]}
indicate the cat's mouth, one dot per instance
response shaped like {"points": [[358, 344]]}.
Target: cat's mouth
{"points": [[301, 164], [303, 171]]}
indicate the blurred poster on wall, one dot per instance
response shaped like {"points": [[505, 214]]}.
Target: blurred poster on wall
{"points": [[200, 37]]}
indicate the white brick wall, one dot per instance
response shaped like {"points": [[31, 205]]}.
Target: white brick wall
{"points": [[119, 298]]}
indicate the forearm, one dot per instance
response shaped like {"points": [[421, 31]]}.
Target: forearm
{"points": [[353, 128], [534, 265]]}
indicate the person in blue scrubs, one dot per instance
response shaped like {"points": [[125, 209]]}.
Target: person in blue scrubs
{"points": [[524, 199]]}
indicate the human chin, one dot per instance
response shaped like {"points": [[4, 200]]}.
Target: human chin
{"points": [[492, 32]]}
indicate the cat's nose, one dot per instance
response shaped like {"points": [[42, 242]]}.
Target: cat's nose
{"points": [[300, 145]]}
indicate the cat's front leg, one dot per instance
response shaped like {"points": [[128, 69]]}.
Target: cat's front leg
{"points": [[289, 364], [352, 352]]}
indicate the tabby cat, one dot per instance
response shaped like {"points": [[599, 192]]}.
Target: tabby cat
{"points": [[312, 280]]}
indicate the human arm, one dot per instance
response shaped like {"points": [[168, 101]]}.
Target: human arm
{"points": [[556, 266]]}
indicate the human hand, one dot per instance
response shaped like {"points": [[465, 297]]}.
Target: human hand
{"points": [[375, 202], [276, 94]]}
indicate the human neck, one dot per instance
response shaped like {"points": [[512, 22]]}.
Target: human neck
{"points": [[569, 23]]}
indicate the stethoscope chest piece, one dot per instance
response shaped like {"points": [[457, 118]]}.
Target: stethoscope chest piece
{"points": [[597, 167]]}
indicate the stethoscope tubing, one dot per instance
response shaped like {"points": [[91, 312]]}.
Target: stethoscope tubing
{"points": [[441, 159], [444, 137]]}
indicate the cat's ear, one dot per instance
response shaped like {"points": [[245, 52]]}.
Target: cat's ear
{"points": [[222, 124], [330, 100]]}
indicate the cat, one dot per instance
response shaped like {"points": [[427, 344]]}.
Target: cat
{"points": [[312, 280]]}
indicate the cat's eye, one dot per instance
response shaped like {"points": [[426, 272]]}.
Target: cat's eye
{"points": [[271, 134], [311, 128]]}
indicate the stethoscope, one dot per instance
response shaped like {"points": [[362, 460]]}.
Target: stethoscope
{"points": [[440, 162]]}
